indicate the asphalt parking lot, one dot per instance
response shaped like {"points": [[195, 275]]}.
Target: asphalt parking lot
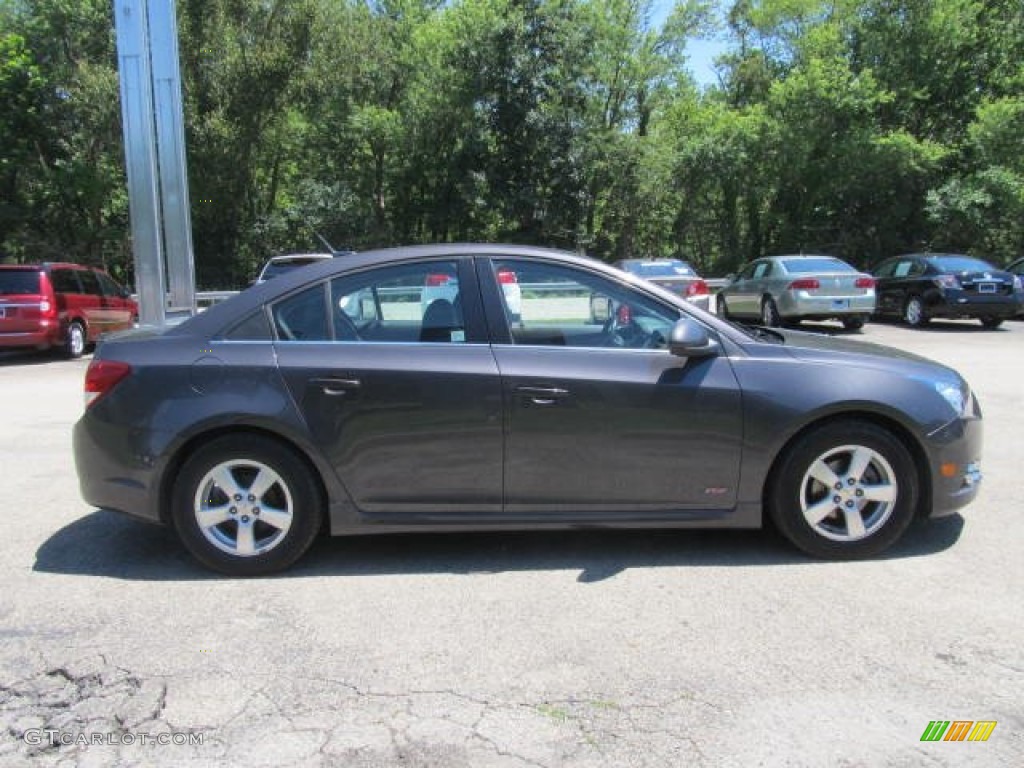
{"points": [[564, 649]]}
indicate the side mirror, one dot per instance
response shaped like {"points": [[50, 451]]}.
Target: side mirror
{"points": [[689, 338]]}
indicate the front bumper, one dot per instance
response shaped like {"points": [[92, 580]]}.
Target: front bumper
{"points": [[955, 459]]}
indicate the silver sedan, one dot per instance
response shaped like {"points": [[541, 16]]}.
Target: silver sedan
{"points": [[779, 289]]}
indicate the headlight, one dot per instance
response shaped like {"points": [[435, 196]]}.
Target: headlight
{"points": [[957, 395], [1018, 287]]}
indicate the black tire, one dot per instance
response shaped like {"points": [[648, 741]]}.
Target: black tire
{"points": [[913, 312], [770, 313], [991, 322], [74, 341], [853, 323], [720, 307], [795, 497], [292, 498]]}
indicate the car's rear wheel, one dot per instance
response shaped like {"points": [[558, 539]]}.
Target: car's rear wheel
{"points": [[74, 341], [853, 323], [913, 312], [246, 505], [991, 322], [846, 489], [770, 313]]}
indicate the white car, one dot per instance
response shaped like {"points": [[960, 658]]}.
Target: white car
{"points": [[278, 265], [446, 286]]}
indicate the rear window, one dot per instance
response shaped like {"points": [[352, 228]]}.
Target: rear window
{"points": [[661, 269], [960, 264], [18, 281], [816, 265]]}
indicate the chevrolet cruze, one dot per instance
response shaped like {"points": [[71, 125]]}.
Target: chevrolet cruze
{"points": [[334, 400]]}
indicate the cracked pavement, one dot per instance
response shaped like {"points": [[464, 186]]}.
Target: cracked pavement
{"points": [[654, 648]]}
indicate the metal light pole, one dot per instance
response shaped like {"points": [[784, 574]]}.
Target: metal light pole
{"points": [[154, 148]]}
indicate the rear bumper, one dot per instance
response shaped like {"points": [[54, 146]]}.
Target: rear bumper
{"points": [[955, 304], [703, 301], [802, 305], [40, 339], [111, 475]]}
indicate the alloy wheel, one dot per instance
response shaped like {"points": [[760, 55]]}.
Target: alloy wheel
{"points": [[848, 493], [243, 507]]}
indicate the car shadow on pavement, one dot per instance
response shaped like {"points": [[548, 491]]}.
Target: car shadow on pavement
{"points": [[111, 545], [943, 326], [31, 357]]}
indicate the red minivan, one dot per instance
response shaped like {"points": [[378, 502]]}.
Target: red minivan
{"points": [[64, 306]]}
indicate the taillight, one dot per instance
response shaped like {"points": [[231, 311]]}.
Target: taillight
{"points": [[947, 281], [507, 277], [101, 377], [436, 280], [864, 282], [47, 308], [697, 288], [804, 284]]}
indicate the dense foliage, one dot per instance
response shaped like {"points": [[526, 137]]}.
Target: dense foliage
{"points": [[856, 127]]}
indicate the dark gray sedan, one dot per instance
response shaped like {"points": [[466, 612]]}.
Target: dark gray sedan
{"points": [[334, 399]]}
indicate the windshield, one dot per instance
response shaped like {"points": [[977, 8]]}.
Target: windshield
{"points": [[18, 281], [816, 265], [660, 268], [960, 264]]}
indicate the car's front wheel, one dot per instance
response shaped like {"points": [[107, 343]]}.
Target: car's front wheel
{"points": [[846, 489], [246, 505]]}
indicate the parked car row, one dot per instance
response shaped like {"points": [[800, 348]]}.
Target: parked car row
{"points": [[914, 288]]}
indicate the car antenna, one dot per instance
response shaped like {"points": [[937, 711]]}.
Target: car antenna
{"points": [[323, 240]]}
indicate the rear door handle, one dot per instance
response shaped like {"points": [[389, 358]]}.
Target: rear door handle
{"points": [[543, 395], [337, 387]]}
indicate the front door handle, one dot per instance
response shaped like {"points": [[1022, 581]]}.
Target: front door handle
{"points": [[543, 395], [337, 387]]}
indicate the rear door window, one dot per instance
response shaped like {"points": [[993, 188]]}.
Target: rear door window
{"points": [[15, 282], [303, 316], [65, 281], [90, 285], [107, 284]]}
